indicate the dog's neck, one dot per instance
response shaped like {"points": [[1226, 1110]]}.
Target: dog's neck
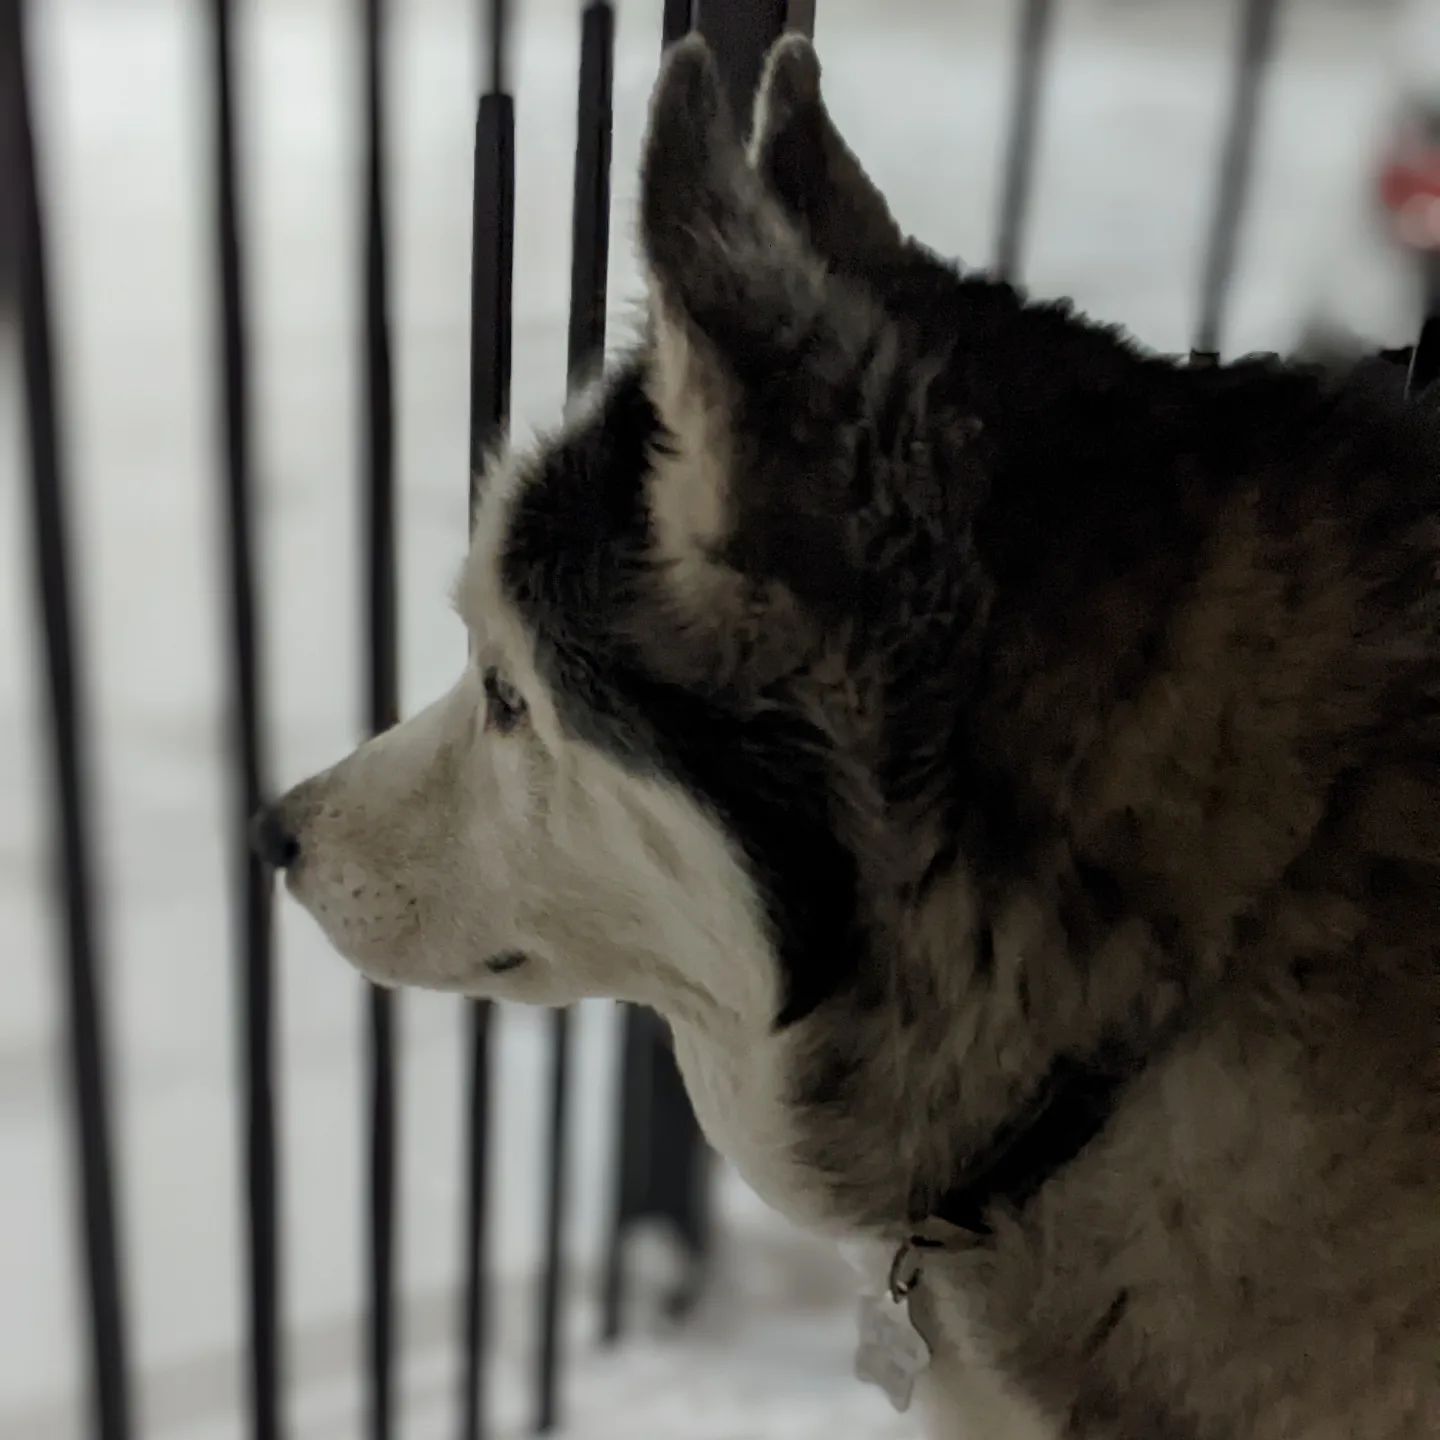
{"points": [[981, 991], [967, 1081]]}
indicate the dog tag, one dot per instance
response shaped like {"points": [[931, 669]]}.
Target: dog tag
{"points": [[892, 1353]]}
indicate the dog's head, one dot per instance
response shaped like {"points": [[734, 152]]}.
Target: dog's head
{"points": [[716, 624]]}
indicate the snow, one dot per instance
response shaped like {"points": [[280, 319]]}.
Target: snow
{"points": [[1132, 115]]}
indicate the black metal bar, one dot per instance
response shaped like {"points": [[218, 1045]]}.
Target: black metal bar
{"points": [[800, 15], [255, 936], [1032, 46], [1425, 357], [678, 1189], [492, 237], [491, 271], [381, 1340], [589, 258], [1258, 23], [382, 710], [477, 1173], [660, 1156], [633, 1153], [547, 1402], [87, 1045], [675, 21], [382, 699], [497, 46], [590, 217], [740, 34], [662, 1166]]}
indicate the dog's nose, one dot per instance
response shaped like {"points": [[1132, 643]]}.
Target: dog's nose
{"points": [[271, 838]]}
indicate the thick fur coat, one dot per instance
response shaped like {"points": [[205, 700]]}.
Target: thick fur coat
{"points": [[907, 691]]}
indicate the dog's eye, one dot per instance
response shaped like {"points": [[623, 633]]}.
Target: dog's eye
{"points": [[504, 705]]}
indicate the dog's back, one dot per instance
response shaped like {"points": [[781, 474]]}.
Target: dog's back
{"points": [[1214, 661]]}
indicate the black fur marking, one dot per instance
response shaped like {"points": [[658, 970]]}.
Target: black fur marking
{"points": [[1104, 890], [505, 961], [1089, 904], [575, 565], [941, 864], [1169, 932], [1074, 1103], [985, 952], [1105, 1328], [830, 1077]]}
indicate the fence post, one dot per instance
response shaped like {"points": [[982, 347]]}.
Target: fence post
{"points": [[492, 242], [740, 34], [589, 259], [382, 710], [1258, 23], [86, 1037], [255, 937], [662, 1164], [1425, 358], [1036, 18]]}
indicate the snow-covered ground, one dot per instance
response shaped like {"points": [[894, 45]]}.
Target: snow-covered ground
{"points": [[1132, 115]]}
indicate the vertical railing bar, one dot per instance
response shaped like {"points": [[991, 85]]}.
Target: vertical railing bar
{"points": [[590, 219], [800, 15], [382, 710], [675, 21], [492, 239], [1258, 23], [87, 1044], [1424, 368], [740, 34], [497, 45], [547, 1406], [633, 1119], [472, 1368], [590, 251], [256, 942], [492, 257], [1022, 134]]}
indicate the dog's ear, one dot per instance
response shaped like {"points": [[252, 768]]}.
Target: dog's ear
{"points": [[760, 352], [807, 166], [727, 269]]}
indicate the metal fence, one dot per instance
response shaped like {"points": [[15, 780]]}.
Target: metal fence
{"points": [[660, 1165]]}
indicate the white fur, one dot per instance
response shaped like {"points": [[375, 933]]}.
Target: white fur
{"points": [[689, 487], [439, 845]]}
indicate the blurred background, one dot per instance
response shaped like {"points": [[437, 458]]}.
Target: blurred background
{"points": [[1130, 126]]}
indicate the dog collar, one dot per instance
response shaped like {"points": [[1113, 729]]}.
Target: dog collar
{"points": [[1075, 1103], [1073, 1106]]}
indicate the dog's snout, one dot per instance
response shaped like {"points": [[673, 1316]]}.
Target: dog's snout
{"points": [[272, 838]]}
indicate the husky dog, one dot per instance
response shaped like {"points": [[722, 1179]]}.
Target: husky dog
{"points": [[1009, 762]]}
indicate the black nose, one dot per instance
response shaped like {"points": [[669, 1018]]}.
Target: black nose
{"points": [[271, 839]]}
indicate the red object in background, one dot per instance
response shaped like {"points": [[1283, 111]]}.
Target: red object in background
{"points": [[1409, 186]]}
